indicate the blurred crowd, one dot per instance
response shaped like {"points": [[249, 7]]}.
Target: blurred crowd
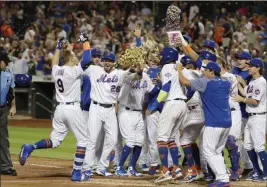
{"points": [[29, 30]]}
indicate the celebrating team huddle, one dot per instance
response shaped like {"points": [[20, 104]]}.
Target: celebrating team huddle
{"points": [[185, 96]]}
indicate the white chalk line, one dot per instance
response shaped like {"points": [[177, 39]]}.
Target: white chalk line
{"points": [[40, 165]]}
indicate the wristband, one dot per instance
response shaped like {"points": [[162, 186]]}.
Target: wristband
{"points": [[86, 45], [188, 48], [244, 101]]}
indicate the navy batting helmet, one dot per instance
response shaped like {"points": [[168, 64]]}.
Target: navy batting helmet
{"points": [[96, 52], [207, 55], [186, 60], [23, 79], [169, 54], [109, 56]]}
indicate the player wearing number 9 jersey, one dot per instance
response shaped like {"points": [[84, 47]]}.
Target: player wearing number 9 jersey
{"points": [[105, 87], [68, 113]]}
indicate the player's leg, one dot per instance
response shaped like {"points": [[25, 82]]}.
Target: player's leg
{"points": [[258, 139], [191, 151], [125, 127], [214, 140], [165, 125], [111, 138], [98, 149], [118, 151], [247, 164], [94, 126], [76, 122], [151, 121], [143, 159], [57, 135], [248, 144], [232, 146], [138, 141], [181, 112]]}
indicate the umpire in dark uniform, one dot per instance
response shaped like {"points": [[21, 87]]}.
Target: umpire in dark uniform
{"points": [[7, 107]]}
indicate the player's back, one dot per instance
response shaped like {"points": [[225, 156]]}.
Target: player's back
{"points": [[234, 89], [169, 73], [67, 83]]}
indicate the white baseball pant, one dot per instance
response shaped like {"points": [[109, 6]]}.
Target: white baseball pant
{"points": [[131, 126], [69, 117], [255, 133], [214, 140], [101, 117]]}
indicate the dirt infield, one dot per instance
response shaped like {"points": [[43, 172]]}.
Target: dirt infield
{"points": [[44, 172]]}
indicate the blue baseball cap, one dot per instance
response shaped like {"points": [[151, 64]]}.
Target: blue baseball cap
{"points": [[208, 56], [109, 56], [186, 60], [23, 79], [257, 62], [244, 55], [96, 52], [209, 44], [153, 72], [214, 67]]}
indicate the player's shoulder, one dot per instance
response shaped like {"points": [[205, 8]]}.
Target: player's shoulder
{"points": [[236, 70]]}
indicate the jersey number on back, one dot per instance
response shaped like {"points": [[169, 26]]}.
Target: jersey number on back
{"points": [[115, 88], [60, 85]]}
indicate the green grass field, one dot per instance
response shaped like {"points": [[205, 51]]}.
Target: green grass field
{"points": [[22, 135]]}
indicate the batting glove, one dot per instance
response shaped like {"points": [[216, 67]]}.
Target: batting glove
{"points": [[83, 38], [60, 43]]}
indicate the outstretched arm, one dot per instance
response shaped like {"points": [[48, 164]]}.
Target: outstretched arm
{"points": [[86, 58], [161, 97], [55, 59]]}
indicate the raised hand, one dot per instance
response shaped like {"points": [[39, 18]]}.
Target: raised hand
{"points": [[60, 43], [83, 37]]}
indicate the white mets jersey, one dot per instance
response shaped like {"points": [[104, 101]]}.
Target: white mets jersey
{"points": [[169, 73], [105, 87], [234, 89], [257, 90], [67, 83], [136, 92]]}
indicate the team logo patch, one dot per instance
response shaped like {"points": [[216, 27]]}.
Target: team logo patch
{"points": [[168, 74], [257, 92]]}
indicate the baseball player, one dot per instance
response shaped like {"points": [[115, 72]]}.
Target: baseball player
{"points": [[215, 97], [235, 130], [131, 121], [254, 96], [193, 125], [106, 82], [68, 114], [172, 115], [152, 120], [243, 77]]}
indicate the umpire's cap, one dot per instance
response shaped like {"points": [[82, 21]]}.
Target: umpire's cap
{"points": [[23, 79], [109, 56], [96, 52], [169, 54]]}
